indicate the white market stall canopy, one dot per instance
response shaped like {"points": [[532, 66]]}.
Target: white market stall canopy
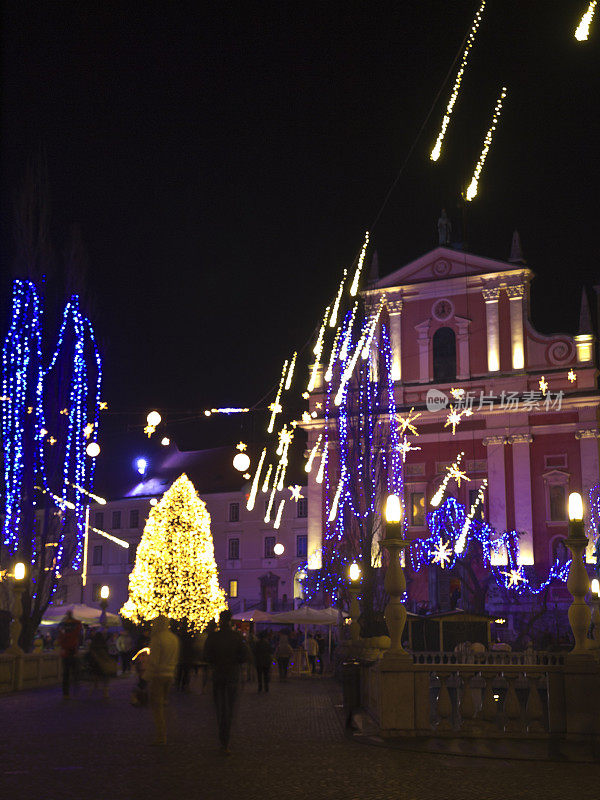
{"points": [[91, 616]]}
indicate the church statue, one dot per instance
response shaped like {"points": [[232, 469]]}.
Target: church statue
{"points": [[444, 228]]}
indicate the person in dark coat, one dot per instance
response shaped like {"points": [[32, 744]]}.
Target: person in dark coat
{"points": [[225, 651], [69, 637], [263, 655]]}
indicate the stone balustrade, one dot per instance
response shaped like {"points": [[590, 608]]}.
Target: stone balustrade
{"points": [[490, 657], [29, 670]]}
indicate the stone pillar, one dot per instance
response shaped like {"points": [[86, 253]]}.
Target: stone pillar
{"points": [[424, 344], [517, 342], [521, 460], [496, 488], [588, 454], [463, 367], [395, 586], [578, 585], [395, 311], [493, 328]]}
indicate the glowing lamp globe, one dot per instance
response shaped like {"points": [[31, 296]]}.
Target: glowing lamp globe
{"points": [[165, 441], [93, 449], [241, 462], [154, 501], [278, 549], [354, 572], [596, 586], [104, 592], [19, 572], [141, 465], [575, 506], [393, 509], [154, 418]]}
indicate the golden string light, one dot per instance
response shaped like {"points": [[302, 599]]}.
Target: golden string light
{"points": [[359, 266], [313, 453], [272, 495], [454, 417], [406, 423], [323, 464], [329, 370], [405, 447], [290, 374], [572, 376], [452, 471], [435, 153], [363, 343], [583, 29], [348, 334], [543, 384], [265, 486], [472, 190], [336, 500], [120, 542], [336, 304], [277, 522], [462, 539], [275, 408], [254, 488]]}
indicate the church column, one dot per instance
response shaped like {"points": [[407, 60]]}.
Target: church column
{"points": [[424, 344], [463, 366], [522, 494], [395, 311], [493, 328], [496, 488], [588, 454], [314, 501], [515, 295]]}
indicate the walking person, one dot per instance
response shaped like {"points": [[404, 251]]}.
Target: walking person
{"points": [[102, 665], [160, 671], [283, 654], [225, 651], [124, 647], [69, 637], [263, 654], [321, 645], [312, 651]]}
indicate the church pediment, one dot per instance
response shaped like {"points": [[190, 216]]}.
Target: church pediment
{"points": [[443, 263]]}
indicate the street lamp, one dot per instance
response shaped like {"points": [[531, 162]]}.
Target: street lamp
{"points": [[578, 581], [354, 575], [278, 549], [595, 600], [18, 587], [395, 582], [104, 594]]}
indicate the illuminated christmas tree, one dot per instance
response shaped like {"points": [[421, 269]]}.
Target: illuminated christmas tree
{"points": [[175, 573]]}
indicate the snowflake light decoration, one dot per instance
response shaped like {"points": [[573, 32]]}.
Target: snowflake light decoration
{"points": [[406, 423], [295, 490], [442, 554], [514, 577], [405, 447], [543, 384]]}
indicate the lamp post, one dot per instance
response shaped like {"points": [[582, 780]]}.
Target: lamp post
{"points": [[395, 582], [18, 588], [354, 575], [104, 594], [578, 581], [595, 600]]}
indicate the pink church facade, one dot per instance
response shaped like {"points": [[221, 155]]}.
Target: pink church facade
{"points": [[460, 321]]}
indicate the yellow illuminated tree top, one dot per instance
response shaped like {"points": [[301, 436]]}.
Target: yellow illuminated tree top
{"points": [[175, 573]]}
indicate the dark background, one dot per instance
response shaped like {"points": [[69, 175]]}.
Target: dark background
{"points": [[223, 161]]}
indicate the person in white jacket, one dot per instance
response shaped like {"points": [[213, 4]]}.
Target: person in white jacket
{"points": [[160, 671]]}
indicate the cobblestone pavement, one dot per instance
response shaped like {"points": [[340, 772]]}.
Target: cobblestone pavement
{"points": [[288, 744]]}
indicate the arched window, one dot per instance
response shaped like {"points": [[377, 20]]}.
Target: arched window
{"points": [[444, 355]]}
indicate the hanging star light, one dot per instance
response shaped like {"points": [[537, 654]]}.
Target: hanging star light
{"points": [[472, 189], [435, 153], [265, 486], [442, 554], [241, 446], [63, 411], [149, 429], [285, 439], [319, 405], [572, 376], [451, 471], [406, 423], [295, 490], [52, 440], [103, 405], [583, 29], [88, 430], [514, 577], [543, 384], [453, 419], [457, 474], [246, 476], [457, 393], [255, 482], [405, 447], [306, 416]]}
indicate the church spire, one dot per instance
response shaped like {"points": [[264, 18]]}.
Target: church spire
{"points": [[516, 251], [585, 318]]}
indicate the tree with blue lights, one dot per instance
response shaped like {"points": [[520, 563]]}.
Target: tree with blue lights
{"points": [[50, 409]]}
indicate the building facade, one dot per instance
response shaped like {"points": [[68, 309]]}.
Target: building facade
{"points": [[459, 321]]}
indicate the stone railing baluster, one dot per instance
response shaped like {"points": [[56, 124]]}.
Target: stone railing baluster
{"points": [[444, 705], [489, 706], [534, 709], [467, 706], [512, 707]]}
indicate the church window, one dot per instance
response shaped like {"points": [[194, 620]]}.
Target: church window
{"points": [[444, 355]]}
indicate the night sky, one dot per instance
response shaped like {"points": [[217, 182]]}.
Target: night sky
{"points": [[223, 161]]}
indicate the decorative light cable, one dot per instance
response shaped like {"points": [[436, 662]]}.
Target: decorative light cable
{"points": [[279, 514], [472, 189], [359, 266], [265, 486], [343, 354], [462, 539], [435, 153], [451, 472], [583, 29], [275, 408], [255, 482]]}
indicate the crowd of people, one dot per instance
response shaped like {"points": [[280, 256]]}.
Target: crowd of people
{"points": [[161, 659]]}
